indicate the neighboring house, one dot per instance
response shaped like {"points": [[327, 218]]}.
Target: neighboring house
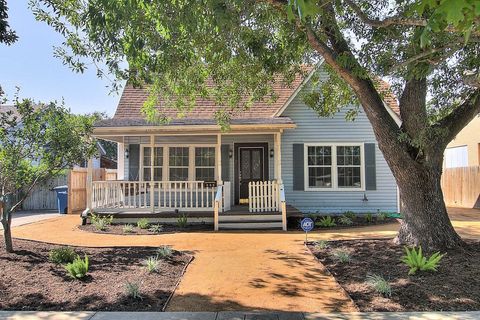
{"points": [[464, 150], [102, 160], [277, 158]]}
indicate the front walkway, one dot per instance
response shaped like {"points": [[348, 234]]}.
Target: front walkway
{"points": [[17, 315], [25, 217], [264, 271]]}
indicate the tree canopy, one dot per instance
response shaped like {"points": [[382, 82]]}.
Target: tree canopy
{"points": [[7, 35]]}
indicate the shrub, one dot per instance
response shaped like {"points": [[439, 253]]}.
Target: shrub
{"points": [[369, 217], [321, 244], [418, 262], [326, 222], [350, 214], [143, 223], [101, 222], [62, 255], [346, 221], [78, 269], [156, 228], [128, 228], [182, 221], [312, 216], [164, 252], [379, 284], [342, 256], [133, 290], [152, 264], [382, 216]]}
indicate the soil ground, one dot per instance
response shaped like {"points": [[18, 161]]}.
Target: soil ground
{"points": [[30, 282], [454, 287], [165, 228]]}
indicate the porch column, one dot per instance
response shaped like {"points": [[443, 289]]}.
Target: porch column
{"points": [[89, 183], [120, 161], [278, 156], [152, 185], [218, 153]]}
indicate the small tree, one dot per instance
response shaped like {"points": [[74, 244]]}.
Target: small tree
{"points": [[38, 142]]}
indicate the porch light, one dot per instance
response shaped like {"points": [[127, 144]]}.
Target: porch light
{"points": [[365, 199], [272, 153], [230, 153], [127, 153]]}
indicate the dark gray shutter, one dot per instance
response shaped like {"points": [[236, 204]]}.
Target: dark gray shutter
{"points": [[370, 167], [225, 150], [133, 162], [298, 167]]}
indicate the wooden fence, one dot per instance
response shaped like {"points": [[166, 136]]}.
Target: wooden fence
{"points": [[43, 196], [461, 187], [77, 186]]}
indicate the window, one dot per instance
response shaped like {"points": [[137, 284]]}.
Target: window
{"points": [[157, 163], [456, 157], [178, 163], [205, 164], [334, 167]]}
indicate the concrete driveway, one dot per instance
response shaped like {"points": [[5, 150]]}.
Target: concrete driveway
{"points": [[25, 217]]}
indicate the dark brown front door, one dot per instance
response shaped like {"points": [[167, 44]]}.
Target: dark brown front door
{"points": [[251, 165]]}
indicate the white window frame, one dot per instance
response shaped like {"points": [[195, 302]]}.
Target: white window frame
{"points": [[151, 166], [166, 157], [195, 167], [334, 166]]}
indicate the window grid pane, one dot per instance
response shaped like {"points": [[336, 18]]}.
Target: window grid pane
{"points": [[348, 167], [319, 166], [178, 163], [205, 163]]}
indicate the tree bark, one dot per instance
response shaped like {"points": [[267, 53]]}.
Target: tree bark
{"points": [[6, 220]]}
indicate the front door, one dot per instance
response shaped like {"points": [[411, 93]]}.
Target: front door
{"points": [[251, 165]]}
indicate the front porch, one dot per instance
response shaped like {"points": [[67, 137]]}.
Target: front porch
{"points": [[231, 178]]}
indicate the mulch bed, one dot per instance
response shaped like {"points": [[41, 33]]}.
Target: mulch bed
{"points": [[30, 282], [454, 287], [359, 221], [166, 228]]}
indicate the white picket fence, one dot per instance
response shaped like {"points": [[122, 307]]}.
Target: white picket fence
{"points": [[42, 196], [263, 196]]}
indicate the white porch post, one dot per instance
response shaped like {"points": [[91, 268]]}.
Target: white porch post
{"points": [[120, 161], [152, 185], [218, 150], [89, 183], [278, 157]]}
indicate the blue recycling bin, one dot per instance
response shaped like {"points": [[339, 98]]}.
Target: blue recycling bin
{"points": [[62, 198]]}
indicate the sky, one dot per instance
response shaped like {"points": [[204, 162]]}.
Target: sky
{"points": [[29, 64]]}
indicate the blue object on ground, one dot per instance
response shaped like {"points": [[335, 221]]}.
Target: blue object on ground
{"points": [[62, 198]]}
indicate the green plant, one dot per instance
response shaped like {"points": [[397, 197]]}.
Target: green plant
{"points": [[133, 290], [342, 256], [326, 222], [382, 216], [128, 228], [78, 269], [346, 221], [321, 244], [62, 255], [418, 262], [164, 252], [182, 221], [143, 223], [313, 216], [379, 284], [350, 214], [151, 263], [369, 217], [101, 222], [156, 228]]}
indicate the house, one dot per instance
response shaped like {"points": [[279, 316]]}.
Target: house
{"points": [[277, 159], [464, 150]]}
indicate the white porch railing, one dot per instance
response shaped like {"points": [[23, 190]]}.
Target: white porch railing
{"points": [[156, 195], [263, 196]]}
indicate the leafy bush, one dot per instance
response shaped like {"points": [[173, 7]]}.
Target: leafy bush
{"points": [[164, 252], [379, 284], [156, 228], [350, 214], [369, 217], [101, 222], [128, 228], [312, 216], [326, 222], [418, 262], [62, 255], [342, 256], [382, 216], [321, 244], [152, 264], [143, 223], [133, 290], [346, 221], [182, 221], [78, 269]]}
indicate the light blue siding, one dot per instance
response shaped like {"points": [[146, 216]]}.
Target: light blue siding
{"points": [[312, 129]]}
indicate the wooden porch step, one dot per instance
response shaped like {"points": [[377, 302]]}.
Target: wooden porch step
{"points": [[251, 217], [250, 225]]}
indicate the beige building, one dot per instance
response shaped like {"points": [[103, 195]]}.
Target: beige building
{"points": [[464, 150]]}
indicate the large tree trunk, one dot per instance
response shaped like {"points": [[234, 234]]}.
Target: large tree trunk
{"points": [[6, 219], [426, 222]]}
